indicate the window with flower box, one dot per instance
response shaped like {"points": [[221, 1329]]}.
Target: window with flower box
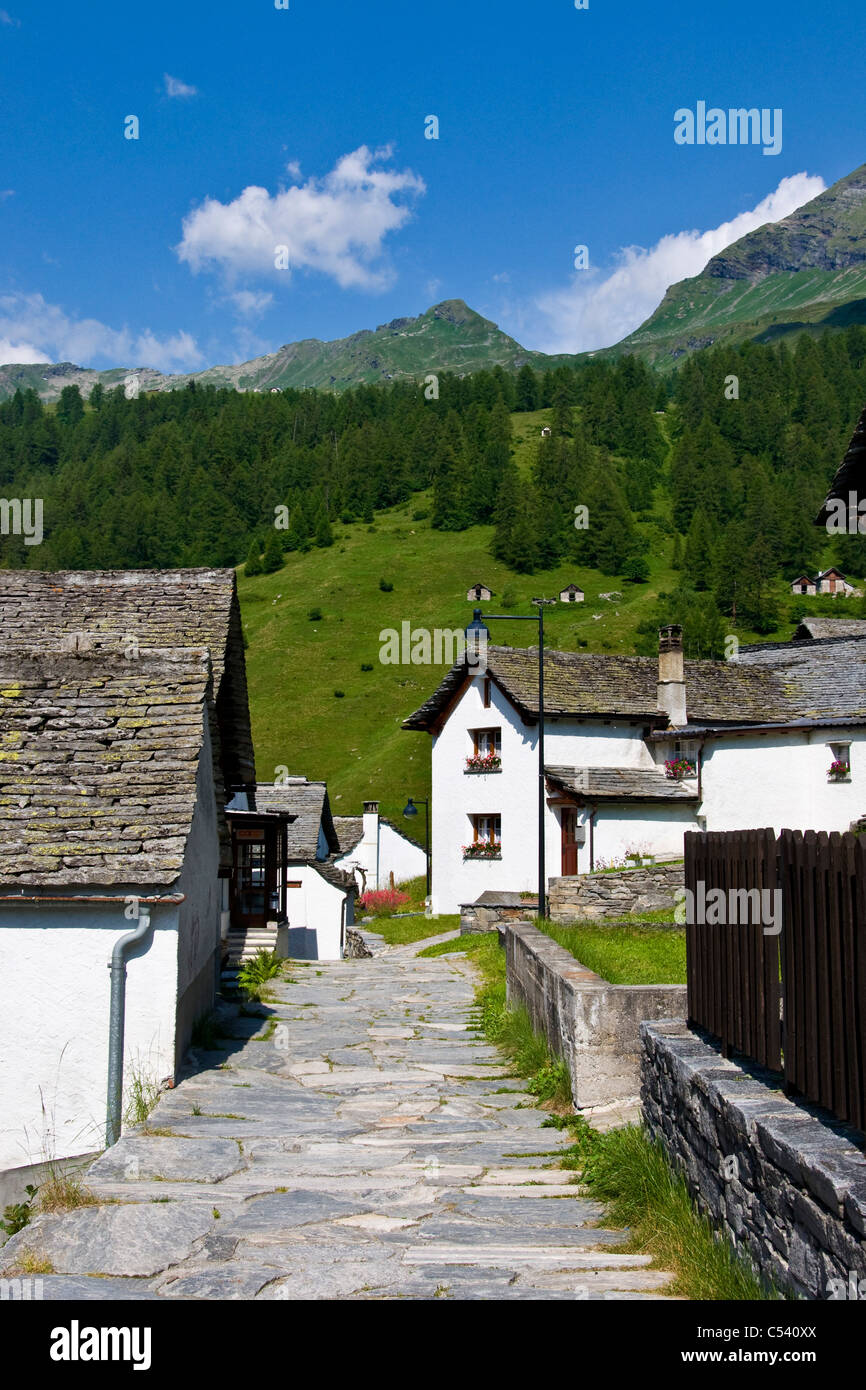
{"points": [[840, 762], [486, 755], [486, 842]]}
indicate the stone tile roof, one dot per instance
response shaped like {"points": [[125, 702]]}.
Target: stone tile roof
{"points": [[588, 685], [98, 763], [851, 473], [622, 784], [811, 628], [349, 831], [157, 608], [308, 802], [338, 877], [821, 679]]}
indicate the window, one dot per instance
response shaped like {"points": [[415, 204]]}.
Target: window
{"points": [[485, 741], [486, 829], [486, 693], [840, 765]]}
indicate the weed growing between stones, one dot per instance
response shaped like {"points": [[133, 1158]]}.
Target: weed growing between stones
{"points": [[64, 1192], [17, 1214], [254, 975]]}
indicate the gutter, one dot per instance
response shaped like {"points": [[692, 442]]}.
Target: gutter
{"points": [[172, 898], [117, 1016]]}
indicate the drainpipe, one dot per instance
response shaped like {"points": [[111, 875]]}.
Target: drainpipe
{"points": [[117, 966], [592, 838]]}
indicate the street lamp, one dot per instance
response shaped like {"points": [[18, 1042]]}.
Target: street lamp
{"points": [[410, 809], [476, 638]]}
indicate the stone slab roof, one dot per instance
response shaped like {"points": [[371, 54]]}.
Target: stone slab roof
{"points": [[82, 610], [587, 685], [338, 877], [811, 628], [622, 784], [98, 763], [822, 679], [349, 830], [308, 802]]}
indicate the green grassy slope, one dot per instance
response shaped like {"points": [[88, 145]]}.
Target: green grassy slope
{"points": [[295, 665]]}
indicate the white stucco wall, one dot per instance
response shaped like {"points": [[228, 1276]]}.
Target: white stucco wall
{"points": [[381, 852], [54, 1024], [398, 856], [315, 913], [511, 793], [781, 781]]}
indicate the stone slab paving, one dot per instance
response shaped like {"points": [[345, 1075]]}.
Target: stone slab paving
{"points": [[355, 1139]]}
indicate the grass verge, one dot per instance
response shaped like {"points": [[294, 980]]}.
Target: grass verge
{"points": [[625, 952], [624, 1169], [402, 931]]}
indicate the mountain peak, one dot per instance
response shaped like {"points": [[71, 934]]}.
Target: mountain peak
{"points": [[805, 272]]}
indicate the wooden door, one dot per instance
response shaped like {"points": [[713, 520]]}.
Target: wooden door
{"points": [[569, 841]]}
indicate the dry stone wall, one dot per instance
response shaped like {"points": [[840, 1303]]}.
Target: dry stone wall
{"points": [[788, 1188], [596, 895]]}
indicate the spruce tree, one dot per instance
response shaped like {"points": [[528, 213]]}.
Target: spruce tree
{"points": [[253, 564], [272, 559]]}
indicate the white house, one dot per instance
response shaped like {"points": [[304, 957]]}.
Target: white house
{"points": [[749, 743], [478, 592], [123, 718], [376, 851], [319, 894]]}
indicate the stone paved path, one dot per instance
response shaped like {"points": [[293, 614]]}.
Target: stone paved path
{"points": [[369, 1147]]}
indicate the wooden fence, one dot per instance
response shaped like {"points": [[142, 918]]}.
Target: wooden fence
{"points": [[793, 999]]}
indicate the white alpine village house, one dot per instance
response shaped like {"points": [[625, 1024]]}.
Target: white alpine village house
{"points": [[637, 751]]}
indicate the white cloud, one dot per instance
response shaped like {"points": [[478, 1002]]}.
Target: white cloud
{"points": [[6, 193], [20, 352], [251, 304], [335, 225], [32, 330], [175, 88], [7, 18], [600, 307]]}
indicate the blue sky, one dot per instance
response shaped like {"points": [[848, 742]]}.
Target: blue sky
{"points": [[555, 129]]}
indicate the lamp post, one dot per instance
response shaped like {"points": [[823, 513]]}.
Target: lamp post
{"points": [[410, 809], [474, 633]]}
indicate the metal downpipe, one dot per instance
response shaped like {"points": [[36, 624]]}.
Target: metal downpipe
{"points": [[116, 1025]]}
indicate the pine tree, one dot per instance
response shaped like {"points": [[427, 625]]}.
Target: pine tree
{"points": [[253, 564], [272, 559], [323, 534], [698, 552]]}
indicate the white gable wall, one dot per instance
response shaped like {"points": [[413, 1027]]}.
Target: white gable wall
{"points": [[780, 780], [315, 913], [513, 794]]}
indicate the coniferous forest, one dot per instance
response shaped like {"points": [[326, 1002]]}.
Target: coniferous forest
{"points": [[728, 477]]}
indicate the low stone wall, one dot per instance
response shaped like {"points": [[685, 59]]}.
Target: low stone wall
{"points": [[492, 910], [592, 1024], [788, 1188], [610, 895]]}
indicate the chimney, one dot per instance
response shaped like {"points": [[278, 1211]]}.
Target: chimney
{"points": [[671, 690]]}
